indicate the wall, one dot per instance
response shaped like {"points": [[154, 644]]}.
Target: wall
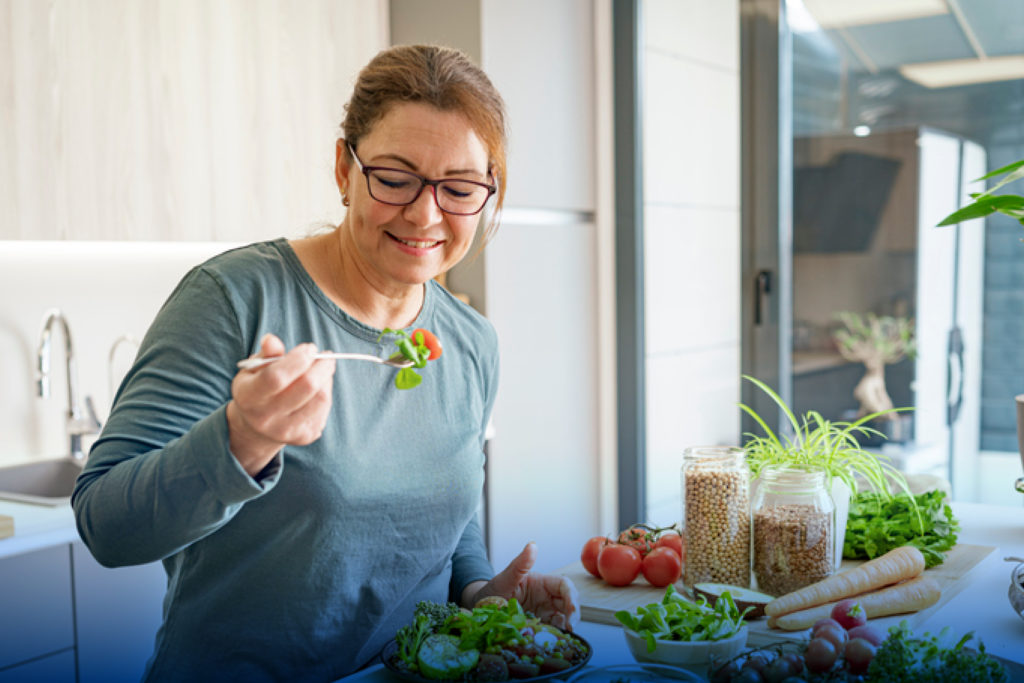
{"points": [[691, 167], [106, 290]]}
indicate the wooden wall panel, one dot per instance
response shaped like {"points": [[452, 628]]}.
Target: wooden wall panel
{"points": [[175, 119]]}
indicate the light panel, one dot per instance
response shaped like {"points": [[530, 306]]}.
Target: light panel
{"points": [[964, 71]]}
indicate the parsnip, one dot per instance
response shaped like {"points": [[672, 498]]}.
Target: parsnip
{"points": [[897, 565], [910, 596]]}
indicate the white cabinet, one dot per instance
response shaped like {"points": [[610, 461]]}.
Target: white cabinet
{"points": [[64, 617], [35, 605], [52, 669], [117, 614]]}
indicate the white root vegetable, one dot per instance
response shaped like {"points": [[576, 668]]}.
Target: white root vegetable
{"points": [[910, 596], [899, 564]]}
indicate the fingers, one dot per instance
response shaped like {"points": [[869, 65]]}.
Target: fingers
{"points": [[286, 401], [524, 562]]}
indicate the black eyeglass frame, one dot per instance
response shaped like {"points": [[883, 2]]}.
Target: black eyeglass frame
{"points": [[424, 182]]}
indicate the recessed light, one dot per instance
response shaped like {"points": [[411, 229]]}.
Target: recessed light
{"points": [[830, 14], [964, 71], [862, 131]]}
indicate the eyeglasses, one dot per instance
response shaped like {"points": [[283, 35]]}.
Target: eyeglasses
{"points": [[400, 188]]}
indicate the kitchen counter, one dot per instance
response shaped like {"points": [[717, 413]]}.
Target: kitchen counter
{"points": [[981, 606], [37, 527]]}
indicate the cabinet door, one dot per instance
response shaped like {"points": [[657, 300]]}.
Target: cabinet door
{"points": [[117, 614], [35, 605], [58, 668]]}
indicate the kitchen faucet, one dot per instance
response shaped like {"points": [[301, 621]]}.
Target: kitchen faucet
{"points": [[77, 425]]}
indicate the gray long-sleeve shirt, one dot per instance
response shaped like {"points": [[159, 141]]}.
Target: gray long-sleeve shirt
{"points": [[304, 572]]}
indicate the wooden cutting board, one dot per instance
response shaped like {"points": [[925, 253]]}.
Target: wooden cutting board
{"points": [[6, 526], [599, 602]]}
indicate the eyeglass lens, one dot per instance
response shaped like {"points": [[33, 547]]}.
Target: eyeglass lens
{"points": [[454, 196]]}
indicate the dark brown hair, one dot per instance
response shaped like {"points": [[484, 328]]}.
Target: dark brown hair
{"points": [[439, 76]]}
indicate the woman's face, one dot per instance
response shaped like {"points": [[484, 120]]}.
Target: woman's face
{"points": [[408, 245]]}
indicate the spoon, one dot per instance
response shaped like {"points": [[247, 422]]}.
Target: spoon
{"points": [[395, 361]]}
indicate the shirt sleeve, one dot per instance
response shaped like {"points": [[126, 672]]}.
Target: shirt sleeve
{"points": [[161, 476]]}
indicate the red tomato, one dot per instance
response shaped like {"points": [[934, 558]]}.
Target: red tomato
{"points": [[662, 566], [590, 551], [672, 540], [429, 340], [639, 538], [618, 564]]}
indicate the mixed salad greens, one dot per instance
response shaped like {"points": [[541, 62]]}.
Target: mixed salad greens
{"points": [[419, 347], [498, 641], [676, 618], [877, 524]]}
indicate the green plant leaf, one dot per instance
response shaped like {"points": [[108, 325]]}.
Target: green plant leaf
{"points": [[1015, 166]]}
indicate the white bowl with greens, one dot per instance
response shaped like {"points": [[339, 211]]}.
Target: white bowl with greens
{"points": [[684, 633]]}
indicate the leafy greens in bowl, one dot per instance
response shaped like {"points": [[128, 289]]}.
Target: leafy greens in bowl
{"points": [[678, 632], [676, 618]]}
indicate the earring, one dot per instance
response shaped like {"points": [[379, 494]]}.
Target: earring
{"points": [[344, 200]]}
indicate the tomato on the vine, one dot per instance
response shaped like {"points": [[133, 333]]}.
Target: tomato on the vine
{"points": [[639, 538], [619, 564], [429, 340], [591, 549], [662, 566], [670, 539]]}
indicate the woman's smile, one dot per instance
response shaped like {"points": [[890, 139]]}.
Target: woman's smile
{"points": [[416, 246]]}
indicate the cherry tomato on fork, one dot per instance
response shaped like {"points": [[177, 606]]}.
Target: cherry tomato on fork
{"points": [[429, 340]]}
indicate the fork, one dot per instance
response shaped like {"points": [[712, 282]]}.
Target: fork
{"points": [[395, 361]]}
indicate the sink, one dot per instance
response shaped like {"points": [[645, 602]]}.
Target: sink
{"points": [[43, 482]]}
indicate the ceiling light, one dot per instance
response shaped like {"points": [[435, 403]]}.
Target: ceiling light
{"points": [[831, 14], [964, 71], [862, 131]]}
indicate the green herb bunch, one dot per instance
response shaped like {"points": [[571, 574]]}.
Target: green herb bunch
{"points": [[676, 618], [876, 525], [821, 443], [904, 658], [987, 202]]}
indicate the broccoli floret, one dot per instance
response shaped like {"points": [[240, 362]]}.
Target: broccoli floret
{"points": [[437, 613]]}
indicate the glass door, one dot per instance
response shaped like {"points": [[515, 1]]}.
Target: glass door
{"points": [[865, 124]]}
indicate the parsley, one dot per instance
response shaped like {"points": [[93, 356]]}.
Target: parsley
{"points": [[903, 658], [876, 525]]}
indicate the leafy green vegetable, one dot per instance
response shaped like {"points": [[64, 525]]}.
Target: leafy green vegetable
{"points": [[904, 658], [411, 349], [428, 617], [676, 618], [876, 525], [409, 639]]}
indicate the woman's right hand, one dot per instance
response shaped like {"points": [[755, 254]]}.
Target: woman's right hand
{"points": [[283, 403]]}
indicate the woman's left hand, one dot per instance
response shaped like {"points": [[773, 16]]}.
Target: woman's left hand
{"points": [[550, 597]]}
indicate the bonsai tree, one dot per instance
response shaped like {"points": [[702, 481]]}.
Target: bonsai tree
{"points": [[875, 341]]}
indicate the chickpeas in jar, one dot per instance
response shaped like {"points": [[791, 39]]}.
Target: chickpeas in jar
{"points": [[716, 515]]}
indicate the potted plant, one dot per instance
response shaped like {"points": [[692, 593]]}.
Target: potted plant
{"points": [[831, 446], [984, 204], [876, 341]]}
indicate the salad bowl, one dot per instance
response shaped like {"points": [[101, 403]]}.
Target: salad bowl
{"points": [[692, 655]]}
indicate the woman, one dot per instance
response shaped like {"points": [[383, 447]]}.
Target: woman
{"points": [[303, 508]]}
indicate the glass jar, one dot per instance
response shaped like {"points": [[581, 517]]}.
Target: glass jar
{"points": [[794, 529], [716, 515]]}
